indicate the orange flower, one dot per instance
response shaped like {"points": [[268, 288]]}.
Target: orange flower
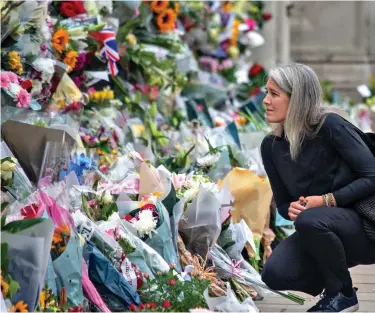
{"points": [[227, 6], [166, 20], [60, 39], [177, 7], [4, 287], [159, 6], [20, 306], [71, 60]]}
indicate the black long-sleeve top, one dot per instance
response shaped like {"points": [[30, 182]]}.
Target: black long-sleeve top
{"points": [[335, 161]]}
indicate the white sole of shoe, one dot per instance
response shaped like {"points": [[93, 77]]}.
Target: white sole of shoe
{"points": [[353, 308]]}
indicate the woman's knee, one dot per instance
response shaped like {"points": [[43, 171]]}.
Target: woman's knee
{"points": [[272, 274], [310, 219]]}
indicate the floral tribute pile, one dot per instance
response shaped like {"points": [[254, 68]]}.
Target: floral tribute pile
{"points": [[130, 157]]}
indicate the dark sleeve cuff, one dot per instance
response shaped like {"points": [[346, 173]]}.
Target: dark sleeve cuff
{"points": [[283, 210]]}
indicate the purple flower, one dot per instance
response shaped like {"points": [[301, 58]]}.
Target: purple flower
{"points": [[80, 61], [77, 81]]}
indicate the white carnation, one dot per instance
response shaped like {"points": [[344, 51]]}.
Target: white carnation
{"points": [[145, 224]]}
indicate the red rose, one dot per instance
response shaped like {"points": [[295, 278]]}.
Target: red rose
{"points": [[172, 282], [166, 304], [267, 16], [142, 306], [72, 8], [255, 70], [27, 84], [153, 305], [133, 307]]}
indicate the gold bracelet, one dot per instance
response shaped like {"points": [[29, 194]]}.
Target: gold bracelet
{"points": [[332, 200], [325, 199]]}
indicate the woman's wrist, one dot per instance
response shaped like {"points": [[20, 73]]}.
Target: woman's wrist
{"points": [[329, 200]]}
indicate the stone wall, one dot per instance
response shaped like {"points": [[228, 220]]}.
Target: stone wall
{"points": [[336, 38]]}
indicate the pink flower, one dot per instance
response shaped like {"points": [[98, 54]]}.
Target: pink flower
{"points": [[23, 98], [251, 23], [146, 275], [91, 90], [178, 180], [5, 80], [172, 282], [154, 93]]}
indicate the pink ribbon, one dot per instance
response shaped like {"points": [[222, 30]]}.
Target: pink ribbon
{"points": [[235, 267]]}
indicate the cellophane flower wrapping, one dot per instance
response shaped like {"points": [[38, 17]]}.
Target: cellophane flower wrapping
{"points": [[229, 303], [228, 268], [200, 224], [28, 252], [144, 256], [22, 187], [67, 263], [55, 163]]}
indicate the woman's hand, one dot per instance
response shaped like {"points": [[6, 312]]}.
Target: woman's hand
{"points": [[295, 209], [314, 202]]}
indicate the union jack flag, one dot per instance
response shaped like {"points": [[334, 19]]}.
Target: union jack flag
{"points": [[109, 51]]}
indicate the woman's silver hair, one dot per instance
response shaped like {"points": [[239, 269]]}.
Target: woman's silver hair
{"points": [[306, 111]]}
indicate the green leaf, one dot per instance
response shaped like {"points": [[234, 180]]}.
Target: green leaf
{"points": [[13, 288], [86, 207], [4, 258], [17, 226]]}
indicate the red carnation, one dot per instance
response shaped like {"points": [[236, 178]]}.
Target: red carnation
{"points": [[148, 206], [128, 217], [133, 307], [166, 304], [267, 16], [27, 84], [72, 8], [153, 305], [142, 306], [255, 70]]}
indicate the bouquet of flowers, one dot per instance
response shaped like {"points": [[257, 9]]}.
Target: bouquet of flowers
{"points": [[152, 223]]}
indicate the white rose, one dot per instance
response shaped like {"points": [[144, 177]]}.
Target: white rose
{"points": [[9, 166], [107, 197]]}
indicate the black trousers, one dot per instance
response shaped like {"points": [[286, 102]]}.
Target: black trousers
{"points": [[317, 256]]}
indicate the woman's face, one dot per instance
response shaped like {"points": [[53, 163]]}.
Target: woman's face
{"points": [[276, 102]]}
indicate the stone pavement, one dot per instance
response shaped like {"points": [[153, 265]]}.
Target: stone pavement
{"points": [[363, 278]]}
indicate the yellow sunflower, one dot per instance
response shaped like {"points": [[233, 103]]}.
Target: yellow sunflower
{"points": [[166, 20], [159, 6], [20, 306]]}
